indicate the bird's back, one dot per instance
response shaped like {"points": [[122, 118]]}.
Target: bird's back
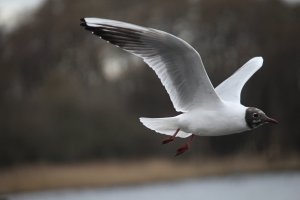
{"points": [[224, 120]]}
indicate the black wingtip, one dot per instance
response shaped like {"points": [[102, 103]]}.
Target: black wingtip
{"points": [[82, 22]]}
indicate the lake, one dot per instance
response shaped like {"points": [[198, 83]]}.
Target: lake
{"points": [[266, 186]]}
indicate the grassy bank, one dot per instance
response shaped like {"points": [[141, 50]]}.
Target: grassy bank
{"points": [[99, 174]]}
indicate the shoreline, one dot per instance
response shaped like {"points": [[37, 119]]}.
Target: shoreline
{"points": [[28, 178]]}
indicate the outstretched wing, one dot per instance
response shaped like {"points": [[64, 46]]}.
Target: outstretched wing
{"points": [[230, 89], [175, 62]]}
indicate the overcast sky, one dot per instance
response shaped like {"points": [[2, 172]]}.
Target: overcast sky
{"points": [[10, 10]]}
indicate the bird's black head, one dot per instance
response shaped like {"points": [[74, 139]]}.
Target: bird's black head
{"points": [[256, 117]]}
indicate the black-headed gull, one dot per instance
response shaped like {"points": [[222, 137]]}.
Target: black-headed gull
{"points": [[205, 110]]}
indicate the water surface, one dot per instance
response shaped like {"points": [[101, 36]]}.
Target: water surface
{"points": [[271, 186]]}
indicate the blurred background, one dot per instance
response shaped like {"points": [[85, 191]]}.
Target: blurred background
{"points": [[69, 101]]}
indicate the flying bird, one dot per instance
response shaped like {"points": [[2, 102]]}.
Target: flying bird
{"points": [[204, 110]]}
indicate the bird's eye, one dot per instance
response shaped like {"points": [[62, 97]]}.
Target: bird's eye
{"points": [[255, 115]]}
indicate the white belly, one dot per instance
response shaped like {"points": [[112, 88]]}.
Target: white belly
{"points": [[223, 121]]}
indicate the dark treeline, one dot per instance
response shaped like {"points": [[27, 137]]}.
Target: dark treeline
{"points": [[66, 95]]}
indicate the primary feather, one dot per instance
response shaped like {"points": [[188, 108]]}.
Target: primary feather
{"points": [[176, 63]]}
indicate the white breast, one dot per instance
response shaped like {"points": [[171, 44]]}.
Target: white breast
{"points": [[224, 120]]}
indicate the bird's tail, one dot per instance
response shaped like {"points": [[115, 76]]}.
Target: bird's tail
{"points": [[167, 126]]}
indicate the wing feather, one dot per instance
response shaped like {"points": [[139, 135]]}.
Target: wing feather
{"points": [[230, 89], [176, 63]]}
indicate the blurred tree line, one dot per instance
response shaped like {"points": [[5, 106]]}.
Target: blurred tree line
{"points": [[65, 95]]}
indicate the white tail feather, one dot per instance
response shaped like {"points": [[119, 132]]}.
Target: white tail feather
{"points": [[167, 126]]}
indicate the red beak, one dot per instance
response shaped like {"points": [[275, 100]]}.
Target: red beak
{"points": [[270, 120]]}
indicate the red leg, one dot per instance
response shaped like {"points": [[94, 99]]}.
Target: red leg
{"points": [[171, 138], [185, 146]]}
